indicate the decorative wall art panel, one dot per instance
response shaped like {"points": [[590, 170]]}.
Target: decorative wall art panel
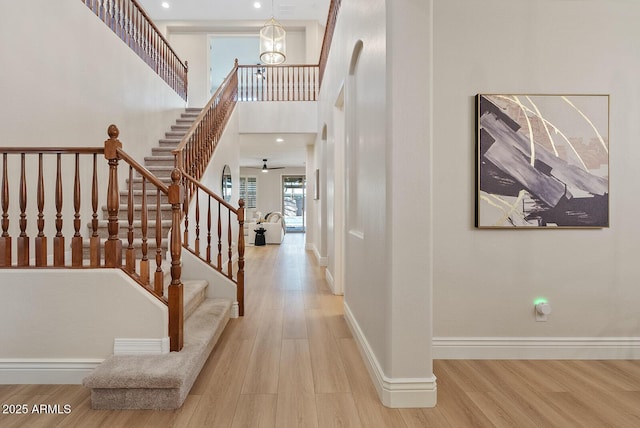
{"points": [[542, 161]]}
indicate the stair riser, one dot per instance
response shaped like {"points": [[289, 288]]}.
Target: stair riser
{"points": [[161, 151], [137, 213], [171, 143], [151, 161], [137, 184], [123, 231], [175, 134], [137, 199], [160, 172], [151, 255]]}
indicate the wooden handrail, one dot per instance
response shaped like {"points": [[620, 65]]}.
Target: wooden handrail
{"points": [[195, 149], [25, 184], [209, 192], [113, 247], [143, 171], [131, 23], [332, 18], [54, 150]]}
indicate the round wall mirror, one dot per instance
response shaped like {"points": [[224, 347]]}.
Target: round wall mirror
{"points": [[226, 183]]}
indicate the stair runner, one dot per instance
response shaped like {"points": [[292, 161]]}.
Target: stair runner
{"points": [[160, 381]]}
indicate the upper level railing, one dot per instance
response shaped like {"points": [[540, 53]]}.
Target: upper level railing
{"points": [[130, 22], [61, 171], [278, 83]]}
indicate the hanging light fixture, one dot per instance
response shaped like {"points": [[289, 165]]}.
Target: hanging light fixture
{"points": [[273, 43]]}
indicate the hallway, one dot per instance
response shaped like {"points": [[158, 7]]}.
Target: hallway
{"points": [[292, 362]]}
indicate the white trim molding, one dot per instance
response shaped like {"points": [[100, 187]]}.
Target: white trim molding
{"points": [[330, 281], [529, 348], [126, 346], [322, 261], [393, 392], [46, 372]]}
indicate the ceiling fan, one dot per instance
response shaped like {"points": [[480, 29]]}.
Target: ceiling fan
{"points": [[266, 168], [261, 73]]}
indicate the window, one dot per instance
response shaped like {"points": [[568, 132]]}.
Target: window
{"points": [[248, 191]]}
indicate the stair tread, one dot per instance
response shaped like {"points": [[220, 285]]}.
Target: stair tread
{"points": [[171, 370]]}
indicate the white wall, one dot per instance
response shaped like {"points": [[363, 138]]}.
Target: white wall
{"points": [[275, 116], [194, 49], [66, 91], [269, 187], [485, 281], [387, 305], [70, 317]]}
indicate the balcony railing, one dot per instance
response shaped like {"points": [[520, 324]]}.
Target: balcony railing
{"points": [[129, 21]]}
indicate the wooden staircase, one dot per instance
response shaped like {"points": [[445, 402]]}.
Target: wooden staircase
{"points": [[161, 164], [159, 381]]}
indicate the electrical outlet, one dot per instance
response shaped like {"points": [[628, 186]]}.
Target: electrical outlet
{"points": [[542, 310]]}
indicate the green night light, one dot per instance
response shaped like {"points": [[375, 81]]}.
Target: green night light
{"points": [[540, 300]]}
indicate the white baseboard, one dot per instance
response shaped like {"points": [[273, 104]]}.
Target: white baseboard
{"points": [[41, 371], [322, 261], [235, 310], [127, 346], [536, 348], [393, 392], [330, 281]]}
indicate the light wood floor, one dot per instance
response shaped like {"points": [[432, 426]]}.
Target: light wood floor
{"points": [[292, 362]]}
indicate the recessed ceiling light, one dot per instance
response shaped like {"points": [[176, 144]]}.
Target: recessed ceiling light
{"points": [[257, 5], [279, 140], [165, 4]]}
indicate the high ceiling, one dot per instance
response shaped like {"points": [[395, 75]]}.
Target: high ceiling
{"points": [[291, 152], [242, 10]]}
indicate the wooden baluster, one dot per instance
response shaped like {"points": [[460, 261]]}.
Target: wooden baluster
{"points": [[113, 245], [219, 266], [298, 88], [130, 265], [240, 277], [144, 264], [158, 278], [127, 23], [176, 293], [288, 74], [197, 243], [23, 239], [185, 209], [5, 239], [58, 240], [76, 241], [94, 244], [209, 230], [41, 240], [229, 242]]}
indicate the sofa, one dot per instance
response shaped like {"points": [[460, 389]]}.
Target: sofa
{"points": [[272, 223]]}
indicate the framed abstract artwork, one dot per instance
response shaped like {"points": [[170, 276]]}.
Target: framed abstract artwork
{"points": [[542, 161]]}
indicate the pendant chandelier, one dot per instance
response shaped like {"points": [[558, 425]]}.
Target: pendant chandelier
{"points": [[273, 43]]}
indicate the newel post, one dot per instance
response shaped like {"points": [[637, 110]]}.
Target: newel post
{"points": [[176, 306], [240, 279], [113, 245]]}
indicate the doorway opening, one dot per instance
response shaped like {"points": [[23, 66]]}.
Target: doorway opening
{"points": [[294, 189]]}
